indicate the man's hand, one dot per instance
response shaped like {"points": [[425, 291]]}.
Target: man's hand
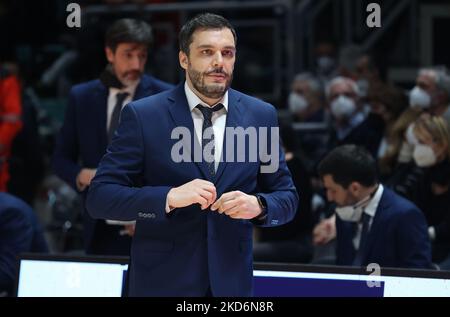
{"points": [[325, 231], [85, 177], [238, 205], [197, 191]]}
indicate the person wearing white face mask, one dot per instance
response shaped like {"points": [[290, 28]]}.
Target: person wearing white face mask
{"points": [[431, 191], [325, 61], [297, 103], [373, 224], [342, 95], [429, 135], [343, 107], [305, 99], [419, 98], [348, 121], [432, 92]]}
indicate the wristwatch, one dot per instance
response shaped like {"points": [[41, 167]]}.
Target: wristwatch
{"points": [[261, 218]]}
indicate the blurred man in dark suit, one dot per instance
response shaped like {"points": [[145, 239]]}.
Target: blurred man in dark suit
{"points": [[92, 117]]}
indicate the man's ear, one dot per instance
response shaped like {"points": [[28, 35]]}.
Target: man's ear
{"points": [[184, 60], [109, 54], [355, 188]]}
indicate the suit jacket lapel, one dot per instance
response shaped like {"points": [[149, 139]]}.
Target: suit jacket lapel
{"points": [[181, 115], [100, 104], [377, 223], [143, 89]]}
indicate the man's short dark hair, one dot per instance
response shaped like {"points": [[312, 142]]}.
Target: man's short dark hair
{"points": [[203, 21], [128, 31], [349, 163]]}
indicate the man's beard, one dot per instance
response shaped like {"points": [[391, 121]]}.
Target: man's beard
{"points": [[130, 82], [350, 200], [214, 90]]}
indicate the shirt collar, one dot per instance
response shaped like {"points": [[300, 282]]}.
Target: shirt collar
{"points": [[193, 100], [131, 89], [371, 208]]}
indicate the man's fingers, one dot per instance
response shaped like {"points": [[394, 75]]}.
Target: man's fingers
{"points": [[236, 215], [206, 186], [225, 197], [212, 191], [203, 183], [207, 195], [233, 210], [202, 201], [230, 205]]}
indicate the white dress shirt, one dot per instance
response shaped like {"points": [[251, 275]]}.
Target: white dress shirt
{"points": [[371, 210], [218, 120], [112, 99]]}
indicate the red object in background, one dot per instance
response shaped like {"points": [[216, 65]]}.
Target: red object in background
{"points": [[10, 122]]}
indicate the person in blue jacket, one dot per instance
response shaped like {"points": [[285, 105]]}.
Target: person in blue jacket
{"points": [[373, 224], [20, 232], [195, 214], [91, 118]]}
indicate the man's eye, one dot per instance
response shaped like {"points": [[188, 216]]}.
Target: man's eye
{"points": [[228, 53], [206, 52]]}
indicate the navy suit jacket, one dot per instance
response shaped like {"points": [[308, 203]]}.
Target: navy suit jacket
{"points": [[83, 140], [19, 233], [188, 250], [398, 236]]}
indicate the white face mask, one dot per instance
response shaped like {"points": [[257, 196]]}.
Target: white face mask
{"points": [[353, 213], [297, 103], [424, 155], [419, 98], [343, 107]]}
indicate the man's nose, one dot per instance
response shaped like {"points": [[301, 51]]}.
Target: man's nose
{"points": [[135, 63], [218, 59]]}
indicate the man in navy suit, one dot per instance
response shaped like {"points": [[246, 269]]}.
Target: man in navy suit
{"points": [[91, 118], [195, 216], [373, 224], [19, 232]]}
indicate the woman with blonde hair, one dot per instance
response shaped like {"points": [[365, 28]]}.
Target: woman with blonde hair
{"points": [[431, 192]]}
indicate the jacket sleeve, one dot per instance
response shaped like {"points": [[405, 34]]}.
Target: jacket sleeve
{"points": [[16, 236], [65, 156], [113, 193], [275, 184], [414, 248]]}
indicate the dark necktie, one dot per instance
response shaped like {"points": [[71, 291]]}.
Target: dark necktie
{"points": [[207, 123], [363, 240], [115, 118]]}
